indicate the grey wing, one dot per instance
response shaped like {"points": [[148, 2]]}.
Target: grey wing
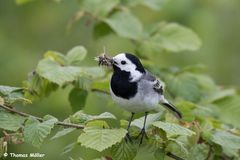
{"points": [[157, 85], [148, 76]]}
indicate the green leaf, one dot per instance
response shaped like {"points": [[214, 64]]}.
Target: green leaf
{"points": [[21, 2], [124, 151], [220, 94], [35, 132], [83, 83], [181, 146], [192, 87], [125, 25], [101, 29], [68, 148], [6, 90], [53, 72], [92, 72], [77, 98], [173, 129], [13, 94], [17, 138], [184, 85], [198, 152], [229, 110], [197, 68], [56, 56], [153, 4], [99, 8], [1, 101], [63, 132], [159, 154], [150, 119], [38, 87], [230, 143], [207, 110], [174, 37], [186, 108], [16, 96], [171, 37], [206, 83], [102, 85], [76, 55], [97, 124], [101, 139], [11, 122], [81, 117]]}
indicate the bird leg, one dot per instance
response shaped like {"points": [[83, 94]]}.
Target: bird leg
{"points": [[143, 132], [128, 137]]}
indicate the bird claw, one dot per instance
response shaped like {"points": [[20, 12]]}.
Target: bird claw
{"points": [[128, 138], [142, 134]]}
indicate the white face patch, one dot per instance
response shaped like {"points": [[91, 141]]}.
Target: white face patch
{"points": [[125, 64]]}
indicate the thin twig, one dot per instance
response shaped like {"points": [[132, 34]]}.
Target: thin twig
{"points": [[100, 91], [169, 154], [23, 114], [209, 152]]}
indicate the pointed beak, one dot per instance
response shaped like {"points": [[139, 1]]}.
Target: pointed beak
{"points": [[110, 62], [113, 62]]}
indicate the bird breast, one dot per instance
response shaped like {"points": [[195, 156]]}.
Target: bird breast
{"points": [[145, 99]]}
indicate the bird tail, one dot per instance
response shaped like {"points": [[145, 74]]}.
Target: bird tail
{"points": [[170, 107]]}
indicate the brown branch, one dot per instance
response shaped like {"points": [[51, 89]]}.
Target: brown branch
{"points": [[23, 114], [169, 154], [100, 91], [65, 124], [209, 153]]}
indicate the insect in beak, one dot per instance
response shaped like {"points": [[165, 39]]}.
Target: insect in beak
{"points": [[104, 60]]}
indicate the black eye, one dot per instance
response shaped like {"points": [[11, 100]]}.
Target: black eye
{"points": [[123, 62]]}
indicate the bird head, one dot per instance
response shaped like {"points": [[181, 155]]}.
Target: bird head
{"points": [[126, 62]]}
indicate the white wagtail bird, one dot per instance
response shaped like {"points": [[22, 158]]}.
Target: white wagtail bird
{"points": [[135, 89]]}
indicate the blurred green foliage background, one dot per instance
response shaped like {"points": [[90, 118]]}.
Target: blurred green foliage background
{"points": [[27, 31]]}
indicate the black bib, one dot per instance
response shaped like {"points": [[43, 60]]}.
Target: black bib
{"points": [[121, 86]]}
